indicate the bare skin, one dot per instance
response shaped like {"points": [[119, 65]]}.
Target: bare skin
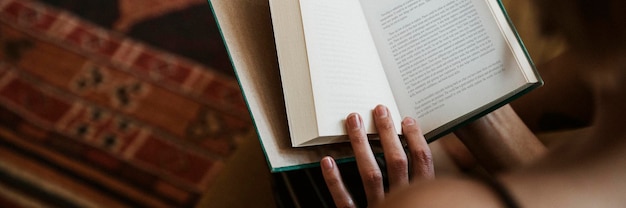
{"points": [[398, 162], [496, 134], [585, 172], [500, 141]]}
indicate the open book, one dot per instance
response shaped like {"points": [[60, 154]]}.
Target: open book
{"points": [[439, 61], [247, 29]]}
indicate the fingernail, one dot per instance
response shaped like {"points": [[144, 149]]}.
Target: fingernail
{"points": [[327, 163], [381, 111], [354, 122], [408, 121]]}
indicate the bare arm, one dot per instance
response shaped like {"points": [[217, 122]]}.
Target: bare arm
{"points": [[500, 141]]}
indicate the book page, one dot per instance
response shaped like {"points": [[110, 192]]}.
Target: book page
{"points": [[444, 58], [346, 72]]}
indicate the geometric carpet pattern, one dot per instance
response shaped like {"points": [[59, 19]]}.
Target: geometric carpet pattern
{"points": [[93, 117]]}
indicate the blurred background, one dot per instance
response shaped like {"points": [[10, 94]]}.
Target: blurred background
{"points": [[114, 103]]}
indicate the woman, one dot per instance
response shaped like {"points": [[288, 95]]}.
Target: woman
{"points": [[585, 171]]}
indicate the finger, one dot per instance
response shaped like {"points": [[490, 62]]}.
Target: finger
{"points": [[335, 185], [419, 152], [368, 168], [395, 157]]}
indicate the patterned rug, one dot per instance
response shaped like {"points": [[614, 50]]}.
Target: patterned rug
{"points": [[114, 103]]}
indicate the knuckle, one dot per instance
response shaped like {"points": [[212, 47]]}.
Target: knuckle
{"points": [[422, 156], [373, 178], [397, 164], [422, 165]]}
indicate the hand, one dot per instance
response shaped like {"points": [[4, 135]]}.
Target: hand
{"points": [[398, 169]]}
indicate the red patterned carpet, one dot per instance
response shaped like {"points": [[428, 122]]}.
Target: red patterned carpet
{"points": [[119, 110]]}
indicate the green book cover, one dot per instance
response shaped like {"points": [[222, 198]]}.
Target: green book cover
{"points": [[249, 37]]}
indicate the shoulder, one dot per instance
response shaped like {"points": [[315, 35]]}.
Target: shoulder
{"points": [[446, 192]]}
